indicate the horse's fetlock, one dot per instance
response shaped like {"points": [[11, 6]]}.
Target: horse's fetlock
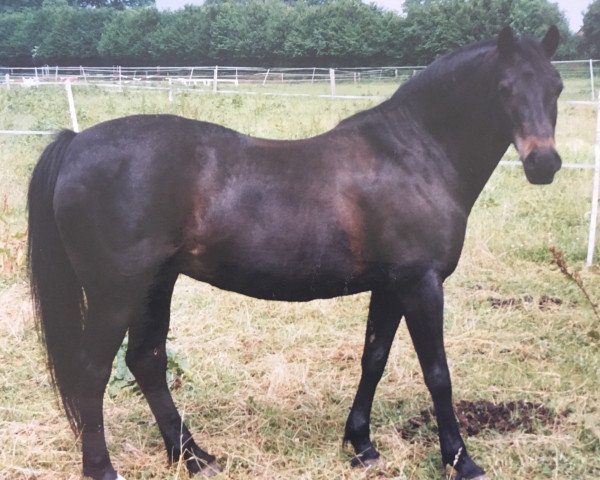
{"points": [[98, 467]]}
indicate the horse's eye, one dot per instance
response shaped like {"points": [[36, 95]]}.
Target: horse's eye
{"points": [[505, 88]]}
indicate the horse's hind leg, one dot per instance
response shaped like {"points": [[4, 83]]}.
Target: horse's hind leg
{"points": [[147, 359], [383, 321], [106, 324]]}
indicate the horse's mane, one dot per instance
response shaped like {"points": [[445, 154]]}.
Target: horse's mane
{"points": [[427, 80], [458, 64], [442, 68]]}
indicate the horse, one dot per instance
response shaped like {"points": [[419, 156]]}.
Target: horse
{"points": [[377, 204]]}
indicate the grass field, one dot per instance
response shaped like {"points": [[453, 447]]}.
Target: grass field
{"points": [[267, 386]]}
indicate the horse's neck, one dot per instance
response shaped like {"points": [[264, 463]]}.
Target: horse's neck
{"points": [[474, 144], [464, 121]]}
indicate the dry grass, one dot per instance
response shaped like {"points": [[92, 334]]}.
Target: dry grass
{"points": [[268, 385]]}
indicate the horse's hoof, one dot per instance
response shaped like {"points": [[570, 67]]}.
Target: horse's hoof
{"points": [[374, 463], [210, 470], [368, 463]]}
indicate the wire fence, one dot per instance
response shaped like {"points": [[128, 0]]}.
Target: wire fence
{"points": [[580, 77]]}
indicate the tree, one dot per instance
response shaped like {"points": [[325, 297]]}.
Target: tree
{"points": [[118, 4], [71, 35], [20, 4], [341, 32], [20, 33], [591, 30], [433, 27], [265, 32], [126, 39], [183, 37]]}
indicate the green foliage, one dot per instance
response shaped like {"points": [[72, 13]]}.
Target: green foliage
{"points": [[591, 30], [123, 379], [432, 27], [126, 37], [20, 4], [264, 32], [74, 36], [118, 4]]}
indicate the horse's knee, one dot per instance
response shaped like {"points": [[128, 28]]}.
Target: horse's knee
{"points": [[438, 381], [94, 376], [148, 367]]}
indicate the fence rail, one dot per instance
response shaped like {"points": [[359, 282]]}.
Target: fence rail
{"points": [[581, 73]]}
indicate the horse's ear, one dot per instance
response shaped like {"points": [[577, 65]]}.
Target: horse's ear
{"points": [[506, 42], [550, 41]]}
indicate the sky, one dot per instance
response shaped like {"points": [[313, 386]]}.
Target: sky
{"points": [[572, 8]]}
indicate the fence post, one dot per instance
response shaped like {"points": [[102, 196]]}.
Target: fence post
{"points": [[71, 105], [7, 79], [332, 81], [266, 76], [595, 193], [592, 79], [215, 77], [170, 90]]}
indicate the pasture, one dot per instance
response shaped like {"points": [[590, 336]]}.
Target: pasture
{"points": [[268, 386]]}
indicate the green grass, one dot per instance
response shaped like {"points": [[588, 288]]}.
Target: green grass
{"points": [[267, 386]]}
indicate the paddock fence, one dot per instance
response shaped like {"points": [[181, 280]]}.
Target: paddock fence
{"points": [[376, 83], [581, 76]]}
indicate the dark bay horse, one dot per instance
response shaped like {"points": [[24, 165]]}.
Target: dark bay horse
{"points": [[380, 203]]}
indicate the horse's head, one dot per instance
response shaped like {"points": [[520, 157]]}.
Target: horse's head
{"points": [[528, 89]]}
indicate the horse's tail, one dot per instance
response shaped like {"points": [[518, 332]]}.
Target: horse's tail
{"points": [[59, 301]]}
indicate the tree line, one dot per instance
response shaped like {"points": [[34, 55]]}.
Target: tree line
{"points": [[270, 32]]}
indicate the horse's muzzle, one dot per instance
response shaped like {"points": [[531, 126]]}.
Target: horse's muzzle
{"points": [[541, 165]]}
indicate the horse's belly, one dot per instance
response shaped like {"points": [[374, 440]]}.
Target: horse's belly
{"points": [[285, 284]]}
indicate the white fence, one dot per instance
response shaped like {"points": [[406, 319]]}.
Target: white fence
{"points": [[582, 73], [205, 76], [580, 76]]}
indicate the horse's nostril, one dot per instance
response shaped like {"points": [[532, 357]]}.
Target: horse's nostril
{"points": [[541, 165]]}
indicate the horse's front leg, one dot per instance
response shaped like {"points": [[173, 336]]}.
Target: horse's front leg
{"points": [[423, 308], [384, 317]]}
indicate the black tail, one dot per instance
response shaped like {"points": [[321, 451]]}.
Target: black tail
{"points": [[57, 294]]}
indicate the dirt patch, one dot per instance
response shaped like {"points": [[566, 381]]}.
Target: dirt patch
{"points": [[483, 416], [544, 302]]}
